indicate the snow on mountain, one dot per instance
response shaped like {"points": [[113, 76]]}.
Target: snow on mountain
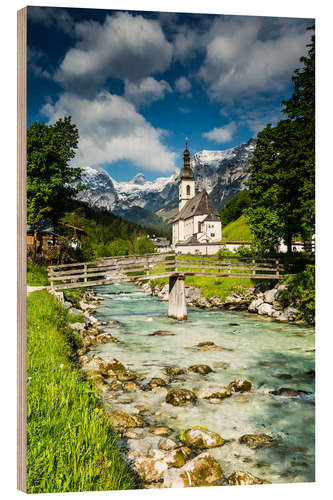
{"points": [[222, 173]]}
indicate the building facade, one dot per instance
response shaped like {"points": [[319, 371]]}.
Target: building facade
{"points": [[197, 227]]}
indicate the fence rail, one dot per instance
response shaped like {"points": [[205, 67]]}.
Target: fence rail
{"points": [[150, 266]]}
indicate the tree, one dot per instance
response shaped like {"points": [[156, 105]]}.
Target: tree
{"points": [[142, 245], [281, 186], [51, 181]]}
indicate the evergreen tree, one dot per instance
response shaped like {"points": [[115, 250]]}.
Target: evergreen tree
{"points": [[283, 167]]}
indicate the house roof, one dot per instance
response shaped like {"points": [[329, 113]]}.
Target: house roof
{"points": [[201, 204]]}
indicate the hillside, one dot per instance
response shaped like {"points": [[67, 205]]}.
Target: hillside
{"points": [[144, 218], [237, 230]]}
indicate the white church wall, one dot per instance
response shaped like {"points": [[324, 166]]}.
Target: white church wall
{"points": [[198, 249]]}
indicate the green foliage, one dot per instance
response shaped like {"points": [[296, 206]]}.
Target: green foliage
{"points": [[142, 245], [235, 208], [50, 179], [36, 275], [301, 293], [74, 295], [237, 230], [283, 168], [70, 443]]}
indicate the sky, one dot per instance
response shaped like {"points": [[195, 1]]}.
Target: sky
{"points": [[137, 83]]}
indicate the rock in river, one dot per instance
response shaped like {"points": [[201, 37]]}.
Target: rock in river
{"points": [[161, 333], [201, 438], [286, 392], [174, 370], [240, 385], [201, 369], [202, 470], [180, 397], [121, 419], [242, 477], [210, 392], [257, 440]]}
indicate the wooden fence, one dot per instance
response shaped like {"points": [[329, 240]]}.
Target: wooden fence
{"points": [[150, 266]]}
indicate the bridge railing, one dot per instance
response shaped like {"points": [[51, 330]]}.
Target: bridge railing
{"points": [[149, 266]]}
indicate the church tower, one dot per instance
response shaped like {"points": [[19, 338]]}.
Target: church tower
{"points": [[187, 183]]}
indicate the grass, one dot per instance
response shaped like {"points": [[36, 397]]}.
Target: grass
{"points": [[36, 275], [70, 443], [212, 287], [74, 295], [237, 230]]}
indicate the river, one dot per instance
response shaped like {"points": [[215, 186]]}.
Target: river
{"points": [[269, 354]]}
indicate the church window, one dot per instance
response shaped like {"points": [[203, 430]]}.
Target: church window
{"points": [[212, 234], [188, 190]]}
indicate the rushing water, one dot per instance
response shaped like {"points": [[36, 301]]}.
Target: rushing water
{"points": [[269, 354]]}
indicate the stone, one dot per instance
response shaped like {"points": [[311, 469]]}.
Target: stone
{"points": [[131, 386], [168, 445], [161, 431], [127, 375], [254, 305], [157, 382], [75, 312], [241, 477], [201, 369], [209, 346], [150, 470], [180, 397], [221, 392], [176, 458], [290, 313], [216, 301], [122, 419], [265, 309], [174, 370], [269, 296], [202, 470], [161, 333], [201, 438], [77, 326], [281, 289], [240, 385], [255, 441], [286, 392]]}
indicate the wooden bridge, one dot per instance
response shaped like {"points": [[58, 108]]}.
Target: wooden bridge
{"points": [[169, 265]]}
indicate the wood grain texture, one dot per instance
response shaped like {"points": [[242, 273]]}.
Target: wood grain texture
{"points": [[21, 248]]}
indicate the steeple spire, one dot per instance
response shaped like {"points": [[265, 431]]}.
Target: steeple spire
{"points": [[186, 171]]}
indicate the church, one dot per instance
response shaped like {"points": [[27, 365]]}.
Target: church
{"points": [[197, 227]]}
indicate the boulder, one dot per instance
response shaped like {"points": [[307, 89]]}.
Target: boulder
{"points": [[221, 392], [154, 382], [192, 294], [161, 333], [127, 375], [269, 296], [216, 301], [280, 291], [150, 470], [265, 309], [209, 346], [253, 307], [202, 470], [241, 477], [180, 397], [255, 441], [161, 431], [201, 438], [168, 445], [286, 392], [290, 313], [240, 385], [174, 370], [201, 369], [77, 326], [121, 420]]}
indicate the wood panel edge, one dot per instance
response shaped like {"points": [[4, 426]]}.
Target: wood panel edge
{"points": [[21, 249]]}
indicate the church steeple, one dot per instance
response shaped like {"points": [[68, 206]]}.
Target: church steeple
{"points": [[187, 184]]}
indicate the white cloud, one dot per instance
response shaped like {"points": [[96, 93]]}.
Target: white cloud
{"points": [[146, 91], [111, 130], [221, 135], [241, 60], [125, 47], [183, 84]]}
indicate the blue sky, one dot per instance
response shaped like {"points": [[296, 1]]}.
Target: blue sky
{"points": [[137, 83]]}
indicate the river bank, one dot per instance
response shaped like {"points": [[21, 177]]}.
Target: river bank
{"points": [[156, 398], [260, 299]]}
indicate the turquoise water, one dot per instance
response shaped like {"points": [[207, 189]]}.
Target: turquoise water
{"points": [[269, 354]]}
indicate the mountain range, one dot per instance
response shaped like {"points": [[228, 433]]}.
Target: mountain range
{"points": [[154, 203]]}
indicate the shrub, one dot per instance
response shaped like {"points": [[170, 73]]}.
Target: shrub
{"points": [[301, 293]]}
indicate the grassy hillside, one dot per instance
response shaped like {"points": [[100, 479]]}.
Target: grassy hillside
{"points": [[237, 230], [71, 445]]}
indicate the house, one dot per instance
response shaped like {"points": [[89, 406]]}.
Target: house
{"points": [[46, 240], [197, 227]]}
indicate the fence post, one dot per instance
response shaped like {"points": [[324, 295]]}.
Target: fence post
{"points": [[203, 264], [147, 266], [229, 266], [277, 262], [85, 272], [253, 266], [176, 264]]}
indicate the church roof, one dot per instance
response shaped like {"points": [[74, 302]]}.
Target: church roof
{"points": [[201, 204]]}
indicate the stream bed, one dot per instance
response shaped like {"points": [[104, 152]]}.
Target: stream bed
{"points": [[270, 354]]}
